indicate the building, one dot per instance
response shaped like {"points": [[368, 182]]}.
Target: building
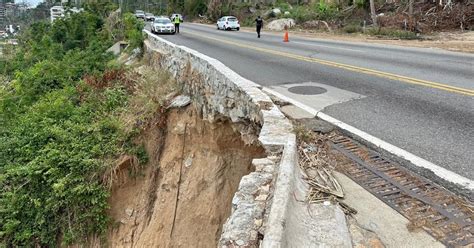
{"points": [[8, 11], [56, 12], [3, 16], [11, 9], [60, 12]]}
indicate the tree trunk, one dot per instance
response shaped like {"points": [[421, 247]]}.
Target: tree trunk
{"points": [[410, 8], [372, 12]]}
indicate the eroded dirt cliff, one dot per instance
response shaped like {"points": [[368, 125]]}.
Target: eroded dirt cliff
{"points": [[184, 194]]}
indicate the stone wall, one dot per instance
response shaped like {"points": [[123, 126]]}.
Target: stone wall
{"points": [[219, 92]]}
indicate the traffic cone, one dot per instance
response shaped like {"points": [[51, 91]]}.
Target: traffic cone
{"points": [[285, 38]]}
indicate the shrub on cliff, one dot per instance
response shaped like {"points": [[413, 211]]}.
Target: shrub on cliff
{"points": [[59, 132]]}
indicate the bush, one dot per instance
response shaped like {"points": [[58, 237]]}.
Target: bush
{"points": [[352, 28], [317, 11], [326, 12], [362, 4], [283, 6], [392, 33], [133, 30], [60, 128], [195, 7], [302, 14]]}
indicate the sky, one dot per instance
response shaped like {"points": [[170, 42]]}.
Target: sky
{"points": [[31, 2]]}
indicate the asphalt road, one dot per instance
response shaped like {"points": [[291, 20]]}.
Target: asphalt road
{"points": [[421, 100]]}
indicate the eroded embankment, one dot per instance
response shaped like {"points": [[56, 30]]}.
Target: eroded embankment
{"points": [[257, 210], [183, 196]]}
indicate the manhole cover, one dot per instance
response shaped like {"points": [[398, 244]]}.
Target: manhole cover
{"points": [[307, 90]]}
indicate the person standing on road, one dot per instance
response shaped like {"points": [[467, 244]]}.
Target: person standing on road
{"points": [[259, 22], [177, 21]]}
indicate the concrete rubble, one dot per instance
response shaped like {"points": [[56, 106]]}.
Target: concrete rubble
{"points": [[180, 101]]}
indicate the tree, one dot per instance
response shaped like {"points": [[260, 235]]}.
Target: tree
{"points": [[410, 8], [372, 12]]}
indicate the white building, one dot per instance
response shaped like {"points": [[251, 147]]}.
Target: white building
{"points": [[60, 12], [56, 12]]}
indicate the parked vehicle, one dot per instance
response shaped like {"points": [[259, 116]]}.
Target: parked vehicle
{"points": [[176, 15], [228, 23], [140, 14], [163, 26], [149, 17]]}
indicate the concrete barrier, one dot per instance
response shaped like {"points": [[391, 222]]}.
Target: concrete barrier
{"points": [[260, 205]]}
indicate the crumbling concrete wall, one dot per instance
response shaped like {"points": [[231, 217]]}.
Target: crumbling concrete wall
{"points": [[219, 92]]}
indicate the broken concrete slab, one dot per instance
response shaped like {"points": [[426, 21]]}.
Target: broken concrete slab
{"points": [[317, 125], [180, 101], [118, 47], [295, 113]]}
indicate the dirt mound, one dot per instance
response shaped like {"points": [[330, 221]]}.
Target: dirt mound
{"points": [[184, 195]]}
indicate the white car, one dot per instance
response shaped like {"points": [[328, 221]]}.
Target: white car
{"points": [[228, 23], [140, 14], [162, 25], [149, 17]]}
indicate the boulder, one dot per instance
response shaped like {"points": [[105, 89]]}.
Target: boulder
{"points": [[272, 13], [279, 25]]}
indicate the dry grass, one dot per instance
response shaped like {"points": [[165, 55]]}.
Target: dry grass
{"points": [[302, 133], [317, 169], [317, 164], [117, 172], [152, 91]]}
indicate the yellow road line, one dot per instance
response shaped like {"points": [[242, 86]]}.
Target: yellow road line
{"points": [[382, 74]]}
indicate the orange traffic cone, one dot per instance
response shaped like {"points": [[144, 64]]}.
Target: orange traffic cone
{"points": [[285, 38]]}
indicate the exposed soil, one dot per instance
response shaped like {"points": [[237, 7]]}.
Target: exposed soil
{"points": [[198, 162]]}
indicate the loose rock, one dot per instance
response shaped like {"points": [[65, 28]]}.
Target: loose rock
{"points": [[129, 212], [279, 25], [180, 101]]}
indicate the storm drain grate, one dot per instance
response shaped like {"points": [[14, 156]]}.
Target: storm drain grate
{"points": [[447, 217]]}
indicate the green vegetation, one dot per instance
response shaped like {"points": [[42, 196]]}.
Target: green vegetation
{"points": [[316, 11], [195, 7], [133, 30], [352, 28], [61, 102], [392, 33]]}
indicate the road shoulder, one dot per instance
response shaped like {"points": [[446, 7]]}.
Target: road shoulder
{"points": [[462, 42]]}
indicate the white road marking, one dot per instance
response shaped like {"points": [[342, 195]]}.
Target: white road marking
{"points": [[417, 161], [332, 47]]}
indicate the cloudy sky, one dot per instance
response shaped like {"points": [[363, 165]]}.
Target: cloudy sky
{"points": [[31, 2]]}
